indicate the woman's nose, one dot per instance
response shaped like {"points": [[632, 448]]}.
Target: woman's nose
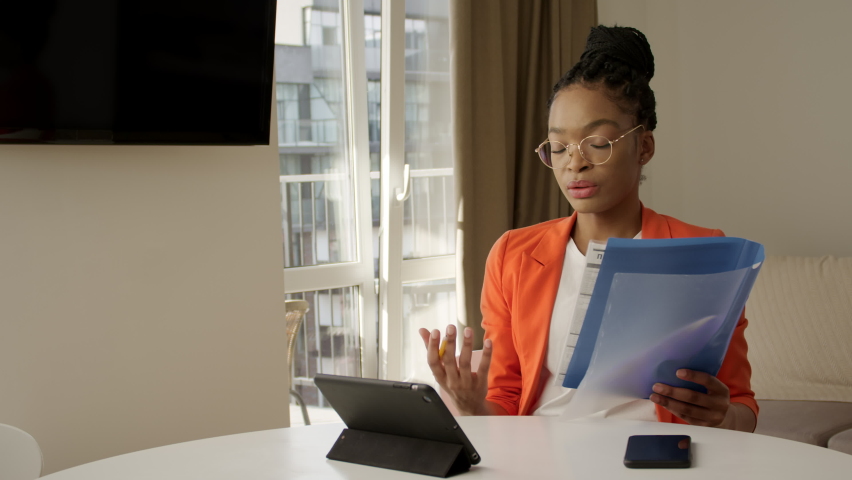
{"points": [[576, 162]]}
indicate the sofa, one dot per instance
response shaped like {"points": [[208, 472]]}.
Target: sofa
{"points": [[800, 349]]}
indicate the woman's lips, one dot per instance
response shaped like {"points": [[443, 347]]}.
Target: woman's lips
{"points": [[582, 189], [583, 192]]}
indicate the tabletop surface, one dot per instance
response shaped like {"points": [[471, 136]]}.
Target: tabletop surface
{"points": [[511, 448]]}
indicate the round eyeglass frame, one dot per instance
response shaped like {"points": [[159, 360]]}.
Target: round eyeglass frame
{"points": [[539, 150]]}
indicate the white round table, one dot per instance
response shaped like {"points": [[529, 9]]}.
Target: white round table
{"points": [[511, 448]]}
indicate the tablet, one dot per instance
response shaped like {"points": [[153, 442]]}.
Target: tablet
{"points": [[397, 408]]}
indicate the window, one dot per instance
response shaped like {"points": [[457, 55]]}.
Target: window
{"points": [[332, 174]]}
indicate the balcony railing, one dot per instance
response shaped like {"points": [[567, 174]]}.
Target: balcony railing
{"points": [[307, 133], [328, 342], [314, 236]]}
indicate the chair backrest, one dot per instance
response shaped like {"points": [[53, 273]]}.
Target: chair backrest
{"points": [[475, 358], [295, 311], [20, 455]]}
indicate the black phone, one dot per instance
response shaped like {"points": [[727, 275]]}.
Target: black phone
{"points": [[658, 451]]}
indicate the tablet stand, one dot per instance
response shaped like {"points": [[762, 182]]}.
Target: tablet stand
{"points": [[414, 455]]}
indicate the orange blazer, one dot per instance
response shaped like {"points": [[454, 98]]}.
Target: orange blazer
{"points": [[521, 280]]}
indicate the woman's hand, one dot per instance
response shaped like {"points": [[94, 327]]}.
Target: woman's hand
{"points": [[466, 387], [695, 408]]}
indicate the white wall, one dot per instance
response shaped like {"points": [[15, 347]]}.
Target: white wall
{"points": [[141, 296], [754, 104], [289, 23]]}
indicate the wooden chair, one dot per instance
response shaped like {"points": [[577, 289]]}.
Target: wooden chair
{"points": [[295, 316], [20, 455]]}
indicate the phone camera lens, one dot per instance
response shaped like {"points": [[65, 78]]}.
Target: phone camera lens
{"points": [[427, 399]]}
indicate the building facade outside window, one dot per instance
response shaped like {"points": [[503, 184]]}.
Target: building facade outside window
{"points": [[316, 203]]}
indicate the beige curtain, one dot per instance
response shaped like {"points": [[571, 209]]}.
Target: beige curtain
{"points": [[506, 56]]}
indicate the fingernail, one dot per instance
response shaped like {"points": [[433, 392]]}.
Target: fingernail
{"points": [[435, 334], [681, 373], [655, 398], [468, 333], [658, 388], [451, 329], [487, 343]]}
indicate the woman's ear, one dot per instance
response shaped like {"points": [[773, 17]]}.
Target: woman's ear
{"points": [[647, 146]]}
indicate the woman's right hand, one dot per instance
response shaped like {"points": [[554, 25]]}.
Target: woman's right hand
{"points": [[466, 387]]}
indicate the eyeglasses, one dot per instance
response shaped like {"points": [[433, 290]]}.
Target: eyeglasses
{"points": [[595, 149]]}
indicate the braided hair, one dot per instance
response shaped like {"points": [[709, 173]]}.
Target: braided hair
{"points": [[620, 59]]}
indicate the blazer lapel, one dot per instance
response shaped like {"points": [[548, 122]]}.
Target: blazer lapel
{"points": [[538, 283]]}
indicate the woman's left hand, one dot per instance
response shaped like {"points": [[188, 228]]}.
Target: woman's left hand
{"points": [[695, 408]]}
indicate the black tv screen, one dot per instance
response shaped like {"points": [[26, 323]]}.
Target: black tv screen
{"points": [[187, 72]]}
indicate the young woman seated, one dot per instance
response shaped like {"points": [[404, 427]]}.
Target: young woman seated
{"points": [[600, 135]]}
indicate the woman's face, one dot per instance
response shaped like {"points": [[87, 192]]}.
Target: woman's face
{"points": [[578, 112]]}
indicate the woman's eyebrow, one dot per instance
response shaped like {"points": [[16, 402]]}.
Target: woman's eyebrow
{"points": [[601, 121], [589, 126]]}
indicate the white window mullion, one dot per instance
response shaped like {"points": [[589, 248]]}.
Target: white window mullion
{"points": [[355, 75], [392, 187], [428, 269], [324, 277]]}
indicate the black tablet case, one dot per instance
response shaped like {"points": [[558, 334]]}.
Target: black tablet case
{"points": [[396, 425]]}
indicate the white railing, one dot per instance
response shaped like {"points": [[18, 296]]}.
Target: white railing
{"points": [[308, 132], [429, 227], [328, 342], [329, 338]]}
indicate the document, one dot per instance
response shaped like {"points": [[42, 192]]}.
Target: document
{"points": [[594, 257], [658, 306]]}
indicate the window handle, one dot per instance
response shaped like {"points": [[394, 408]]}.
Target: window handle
{"points": [[406, 179]]}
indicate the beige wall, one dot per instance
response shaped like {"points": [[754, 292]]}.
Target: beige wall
{"points": [[754, 103], [141, 296]]}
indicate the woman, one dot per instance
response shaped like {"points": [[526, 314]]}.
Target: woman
{"points": [[601, 122]]}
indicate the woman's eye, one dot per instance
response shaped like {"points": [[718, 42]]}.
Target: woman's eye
{"points": [[557, 152], [597, 143]]}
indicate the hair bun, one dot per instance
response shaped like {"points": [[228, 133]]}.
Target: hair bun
{"points": [[625, 44]]}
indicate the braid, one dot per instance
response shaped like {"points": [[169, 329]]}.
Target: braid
{"points": [[620, 59]]}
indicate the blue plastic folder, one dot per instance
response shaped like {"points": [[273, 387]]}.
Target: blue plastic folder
{"points": [[661, 305]]}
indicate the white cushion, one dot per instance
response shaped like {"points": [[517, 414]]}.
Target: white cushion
{"points": [[800, 329]]}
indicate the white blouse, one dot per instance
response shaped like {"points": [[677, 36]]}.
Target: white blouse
{"points": [[555, 398]]}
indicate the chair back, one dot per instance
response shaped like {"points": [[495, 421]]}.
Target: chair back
{"points": [[295, 315], [20, 455]]}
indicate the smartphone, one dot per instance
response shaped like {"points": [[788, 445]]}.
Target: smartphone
{"points": [[658, 451]]}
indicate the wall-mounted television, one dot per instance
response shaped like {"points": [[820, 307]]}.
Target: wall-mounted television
{"points": [[145, 72]]}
